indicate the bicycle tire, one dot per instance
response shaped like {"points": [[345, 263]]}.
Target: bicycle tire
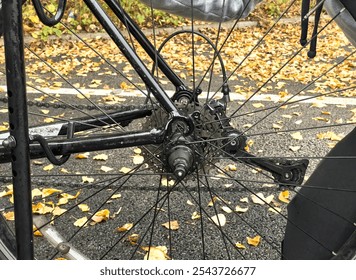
{"points": [[184, 220], [7, 241]]}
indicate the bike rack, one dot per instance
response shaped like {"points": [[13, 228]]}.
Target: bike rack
{"points": [[17, 105]]}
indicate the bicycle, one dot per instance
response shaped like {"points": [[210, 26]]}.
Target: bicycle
{"points": [[178, 139]]}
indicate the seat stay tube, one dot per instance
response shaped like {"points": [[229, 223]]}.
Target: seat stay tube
{"points": [[18, 141], [140, 68], [145, 44]]}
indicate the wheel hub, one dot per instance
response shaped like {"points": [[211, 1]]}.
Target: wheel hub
{"points": [[181, 155]]}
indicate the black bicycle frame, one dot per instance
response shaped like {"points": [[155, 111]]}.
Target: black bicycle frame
{"points": [[17, 148]]}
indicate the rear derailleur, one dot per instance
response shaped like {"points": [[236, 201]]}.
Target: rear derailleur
{"points": [[286, 173]]}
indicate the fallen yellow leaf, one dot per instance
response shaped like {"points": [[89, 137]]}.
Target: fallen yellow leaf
{"points": [[219, 220], [156, 253], [57, 211], [10, 216], [100, 216], [81, 222], [86, 179], [226, 209], [297, 136], [49, 191], [258, 105], [239, 209], [48, 167], [133, 239], [36, 232], [82, 156], [125, 170], [239, 245], [284, 196], [125, 227], [254, 241], [196, 216], [138, 159], [84, 207], [106, 168], [102, 157]]}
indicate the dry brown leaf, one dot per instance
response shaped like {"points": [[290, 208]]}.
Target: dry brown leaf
{"points": [[133, 238], [172, 225]]}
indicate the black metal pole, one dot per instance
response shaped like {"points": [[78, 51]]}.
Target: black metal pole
{"points": [[19, 138]]}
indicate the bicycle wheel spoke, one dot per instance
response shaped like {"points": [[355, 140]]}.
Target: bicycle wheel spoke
{"points": [[223, 171]]}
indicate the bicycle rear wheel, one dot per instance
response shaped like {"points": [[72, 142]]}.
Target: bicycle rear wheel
{"points": [[250, 85]]}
